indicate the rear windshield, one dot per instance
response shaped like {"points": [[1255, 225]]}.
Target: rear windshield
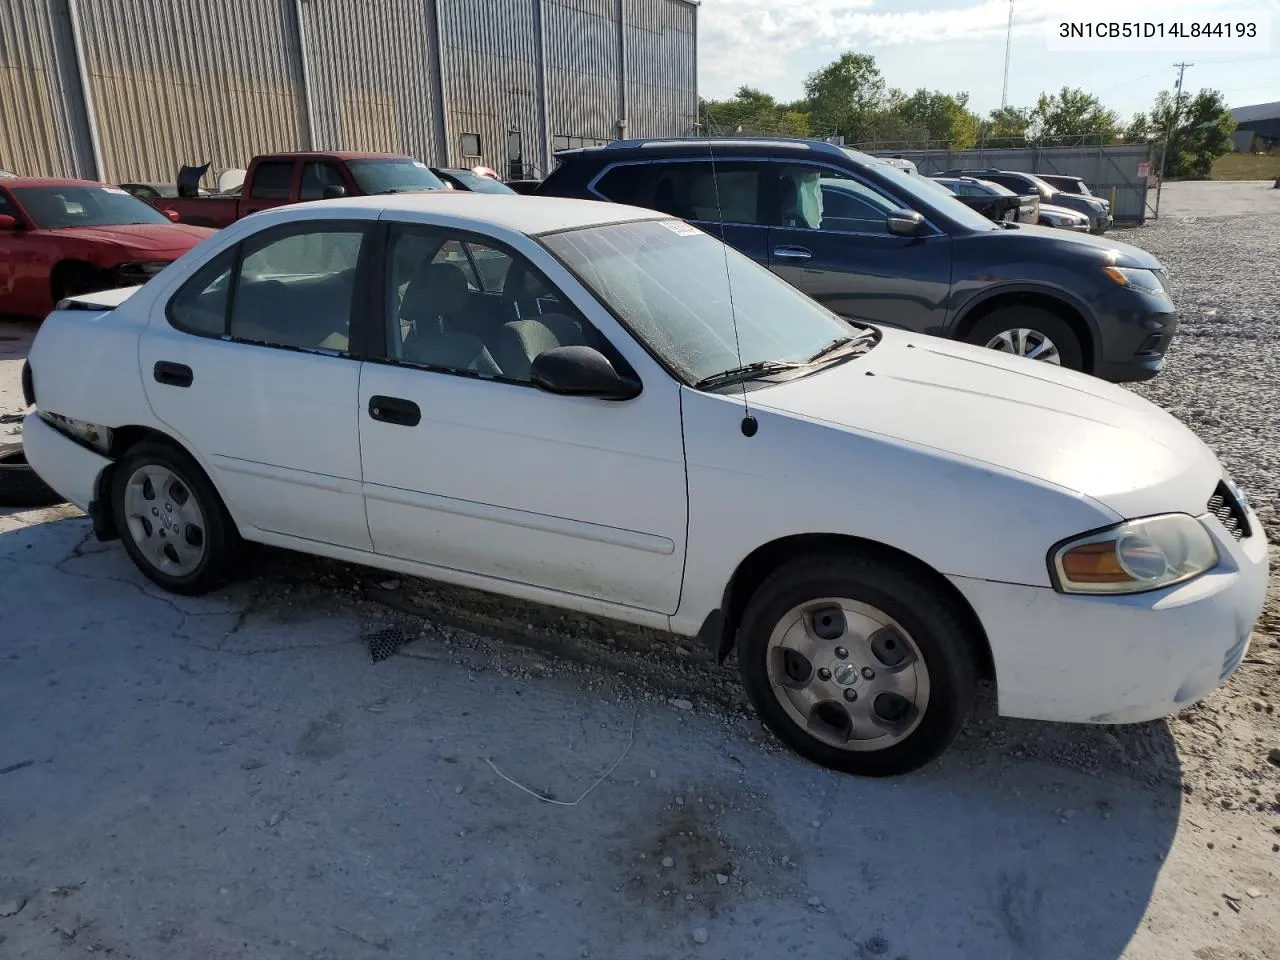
{"points": [[393, 175], [56, 207]]}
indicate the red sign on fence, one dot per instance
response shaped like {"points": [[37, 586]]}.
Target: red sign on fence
{"points": [[1144, 169]]}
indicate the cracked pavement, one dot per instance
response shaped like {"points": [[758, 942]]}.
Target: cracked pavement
{"points": [[231, 776]]}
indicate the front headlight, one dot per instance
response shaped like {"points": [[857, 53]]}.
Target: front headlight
{"points": [[1139, 279], [1134, 557]]}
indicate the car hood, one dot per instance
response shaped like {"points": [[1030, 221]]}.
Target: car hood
{"points": [[144, 239], [1103, 250], [1063, 428]]}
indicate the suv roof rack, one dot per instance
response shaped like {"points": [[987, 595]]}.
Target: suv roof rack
{"points": [[794, 143]]}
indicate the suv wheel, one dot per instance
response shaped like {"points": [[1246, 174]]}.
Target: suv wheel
{"points": [[1032, 333]]}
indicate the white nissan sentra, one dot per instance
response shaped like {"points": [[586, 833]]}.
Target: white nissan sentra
{"points": [[604, 409]]}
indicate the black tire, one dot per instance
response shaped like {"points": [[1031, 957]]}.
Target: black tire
{"points": [[923, 611], [1031, 318], [20, 486], [219, 537], [72, 280]]}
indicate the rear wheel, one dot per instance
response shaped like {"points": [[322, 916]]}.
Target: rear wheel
{"points": [[858, 664], [172, 522], [1030, 332]]}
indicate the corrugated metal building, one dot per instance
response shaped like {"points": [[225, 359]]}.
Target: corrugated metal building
{"points": [[125, 90]]}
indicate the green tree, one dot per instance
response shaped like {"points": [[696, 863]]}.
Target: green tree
{"points": [[844, 95], [752, 111], [1198, 128], [1007, 126], [1072, 113], [945, 116]]}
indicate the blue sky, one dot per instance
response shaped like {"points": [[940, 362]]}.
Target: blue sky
{"points": [[956, 45]]}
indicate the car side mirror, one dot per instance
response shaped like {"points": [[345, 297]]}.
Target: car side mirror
{"points": [[173, 215], [905, 223], [8, 223], [581, 372], [334, 191]]}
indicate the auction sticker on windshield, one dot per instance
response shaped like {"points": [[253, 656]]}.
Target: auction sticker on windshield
{"points": [[680, 228]]}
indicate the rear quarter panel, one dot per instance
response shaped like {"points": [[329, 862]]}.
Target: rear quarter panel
{"points": [[84, 365]]}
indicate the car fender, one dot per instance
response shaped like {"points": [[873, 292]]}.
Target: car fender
{"points": [[971, 302]]}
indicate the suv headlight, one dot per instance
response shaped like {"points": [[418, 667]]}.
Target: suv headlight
{"points": [[1138, 278], [1134, 557]]}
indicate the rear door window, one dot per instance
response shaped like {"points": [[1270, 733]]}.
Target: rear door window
{"points": [[729, 191]]}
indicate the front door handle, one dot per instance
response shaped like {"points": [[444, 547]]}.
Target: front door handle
{"points": [[404, 413], [792, 253], [173, 374]]}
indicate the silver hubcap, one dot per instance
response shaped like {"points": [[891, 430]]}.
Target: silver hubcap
{"points": [[164, 519], [1022, 342], [848, 674]]}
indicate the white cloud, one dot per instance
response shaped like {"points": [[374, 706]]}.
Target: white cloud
{"points": [[752, 41]]}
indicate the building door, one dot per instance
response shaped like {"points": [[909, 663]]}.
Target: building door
{"points": [[515, 155]]}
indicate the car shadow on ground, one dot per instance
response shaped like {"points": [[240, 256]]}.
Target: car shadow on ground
{"points": [[260, 781]]}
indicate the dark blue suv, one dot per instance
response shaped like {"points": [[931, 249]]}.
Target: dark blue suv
{"points": [[875, 243]]}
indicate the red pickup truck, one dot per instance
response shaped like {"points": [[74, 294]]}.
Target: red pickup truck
{"points": [[275, 179]]}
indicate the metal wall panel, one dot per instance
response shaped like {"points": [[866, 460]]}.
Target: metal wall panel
{"points": [[583, 68], [43, 131], [662, 83], [1102, 168], [371, 73], [491, 78], [188, 81]]}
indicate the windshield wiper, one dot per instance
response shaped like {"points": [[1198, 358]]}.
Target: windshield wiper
{"points": [[839, 344], [748, 371]]}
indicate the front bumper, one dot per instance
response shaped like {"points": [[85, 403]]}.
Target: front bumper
{"points": [[70, 468], [1134, 333], [1122, 659], [1101, 223]]}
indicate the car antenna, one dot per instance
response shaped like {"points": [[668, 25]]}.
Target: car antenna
{"points": [[749, 423]]}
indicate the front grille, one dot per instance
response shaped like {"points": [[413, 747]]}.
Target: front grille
{"points": [[1227, 507]]}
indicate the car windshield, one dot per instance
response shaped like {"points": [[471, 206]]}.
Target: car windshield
{"points": [[679, 291], [479, 184], [393, 175], [932, 196], [995, 189], [75, 205]]}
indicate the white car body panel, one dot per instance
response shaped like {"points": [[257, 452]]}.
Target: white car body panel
{"points": [[971, 462]]}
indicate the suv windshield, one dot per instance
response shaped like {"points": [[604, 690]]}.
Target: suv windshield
{"points": [[678, 290], [393, 175], [72, 205]]}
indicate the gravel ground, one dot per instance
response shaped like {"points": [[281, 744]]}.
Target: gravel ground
{"points": [[327, 808], [1223, 373]]}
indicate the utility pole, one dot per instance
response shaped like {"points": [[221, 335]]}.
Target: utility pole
{"points": [[1008, 47], [1173, 122]]}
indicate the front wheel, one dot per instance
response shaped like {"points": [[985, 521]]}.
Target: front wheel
{"points": [[1029, 332], [171, 520], [859, 664]]}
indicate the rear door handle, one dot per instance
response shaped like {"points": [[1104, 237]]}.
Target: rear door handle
{"points": [[404, 413], [792, 253], [173, 374]]}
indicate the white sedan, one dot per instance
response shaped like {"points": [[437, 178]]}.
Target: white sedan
{"points": [[601, 408]]}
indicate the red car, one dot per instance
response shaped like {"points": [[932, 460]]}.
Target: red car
{"points": [[59, 238]]}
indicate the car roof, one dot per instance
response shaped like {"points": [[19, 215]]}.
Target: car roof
{"points": [[729, 146], [522, 214], [332, 155], [13, 182]]}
